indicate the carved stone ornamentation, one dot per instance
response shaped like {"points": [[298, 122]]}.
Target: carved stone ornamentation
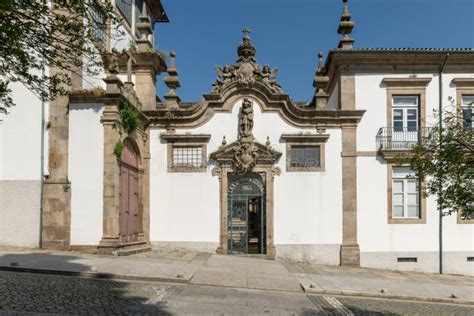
{"points": [[246, 71], [245, 153], [245, 149]]}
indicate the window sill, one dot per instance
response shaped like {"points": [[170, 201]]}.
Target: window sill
{"points": [[187, 169], [305, 169], [406, 220]]}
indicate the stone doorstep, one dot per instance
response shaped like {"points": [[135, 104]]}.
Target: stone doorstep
{"points": [[309, 286]]}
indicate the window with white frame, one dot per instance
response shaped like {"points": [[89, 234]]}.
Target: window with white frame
{"points": [[467, 107], [405, 194], [405, 113], [187, 157]]}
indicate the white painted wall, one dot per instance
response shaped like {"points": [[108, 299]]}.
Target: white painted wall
{"points": [[375, 235], [185, 206], [86, 166], [20, 170]]}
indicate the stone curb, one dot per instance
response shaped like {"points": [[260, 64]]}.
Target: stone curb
{"points": [[389, 296], [94, 275], [111, 276]]}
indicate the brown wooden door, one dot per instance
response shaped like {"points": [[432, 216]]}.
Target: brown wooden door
{"points": [[129, 204]]}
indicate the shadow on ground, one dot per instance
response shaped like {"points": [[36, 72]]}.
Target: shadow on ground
{"points": [[42, 293]]}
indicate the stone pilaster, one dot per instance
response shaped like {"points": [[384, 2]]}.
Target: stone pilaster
{"points": [[111, 196], [146, 186], [56, 215], [350, 253]]}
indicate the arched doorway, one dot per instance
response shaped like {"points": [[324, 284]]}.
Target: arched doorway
{"points": [[129, 214], [246, 229]]}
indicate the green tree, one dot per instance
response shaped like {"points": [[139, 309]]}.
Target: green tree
{"points": [[43, 42], [444, 160]]}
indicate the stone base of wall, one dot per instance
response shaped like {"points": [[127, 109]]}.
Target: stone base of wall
{"points": [[20, 213], [454, 262], [316, 253], [197, 246]]}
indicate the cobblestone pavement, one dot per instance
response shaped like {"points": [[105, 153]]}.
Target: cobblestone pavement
{"points": [[22, 293]]}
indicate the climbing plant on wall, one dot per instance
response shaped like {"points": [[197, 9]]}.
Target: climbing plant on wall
{"points": [[129, 124]]}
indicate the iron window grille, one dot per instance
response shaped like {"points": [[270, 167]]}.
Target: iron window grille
{"points": [[187, 157], [305, 157]]}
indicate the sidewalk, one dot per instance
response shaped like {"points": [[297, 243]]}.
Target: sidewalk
{"points": [[245, 272]]}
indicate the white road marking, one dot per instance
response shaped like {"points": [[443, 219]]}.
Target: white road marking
{"points": [[341, 309]]}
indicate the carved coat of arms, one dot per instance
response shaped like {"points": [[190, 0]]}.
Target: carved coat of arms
{"points": [[246, 71]]}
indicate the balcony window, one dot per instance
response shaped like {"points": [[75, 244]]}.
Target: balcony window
{"points": [[405, 113]]}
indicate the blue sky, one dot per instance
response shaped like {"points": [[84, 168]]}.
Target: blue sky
{"points": [[289, 33]]}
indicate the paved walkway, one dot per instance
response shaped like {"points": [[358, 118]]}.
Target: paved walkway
{"points": [[245, 272]]}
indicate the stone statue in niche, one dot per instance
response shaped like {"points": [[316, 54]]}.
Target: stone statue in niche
{"points": [[245, 150], [246, 120]]}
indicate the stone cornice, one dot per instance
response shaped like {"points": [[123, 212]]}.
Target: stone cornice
{"points": [[464, 82], [200, 113], [395, 61], [186, 138], [393, 155], [406, 82], [305, 138]]}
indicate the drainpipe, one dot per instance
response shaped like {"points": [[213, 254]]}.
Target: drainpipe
{"points": [[42, 172], [40, 241], [440, 209]]}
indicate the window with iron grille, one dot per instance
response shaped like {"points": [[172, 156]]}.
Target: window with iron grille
{"points": [[125, 7], [187, 157], [98, 25], [305, 157]]}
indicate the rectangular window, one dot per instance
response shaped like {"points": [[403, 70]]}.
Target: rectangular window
{"points": [[467, 107], [98, 25], [187, 157], [125, 7], [138, 12], [306, 157], [405, 113], [405, 194]]}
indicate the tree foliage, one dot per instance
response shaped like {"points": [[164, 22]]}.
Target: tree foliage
{"points": [[444, 160], [43, 42]]}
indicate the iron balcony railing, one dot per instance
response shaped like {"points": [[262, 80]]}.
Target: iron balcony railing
{"points": [[400, 137]]}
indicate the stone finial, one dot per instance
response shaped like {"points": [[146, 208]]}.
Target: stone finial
{"points": [[145, 29], [345, 28], [268, 142], [172, 81], [224, 141], [246, 49], [320, 83]]}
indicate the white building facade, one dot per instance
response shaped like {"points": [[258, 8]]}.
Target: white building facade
{"points": [[246, 170]]}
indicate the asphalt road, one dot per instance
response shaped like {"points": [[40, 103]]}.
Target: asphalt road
{"points": [[23, 293]]}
